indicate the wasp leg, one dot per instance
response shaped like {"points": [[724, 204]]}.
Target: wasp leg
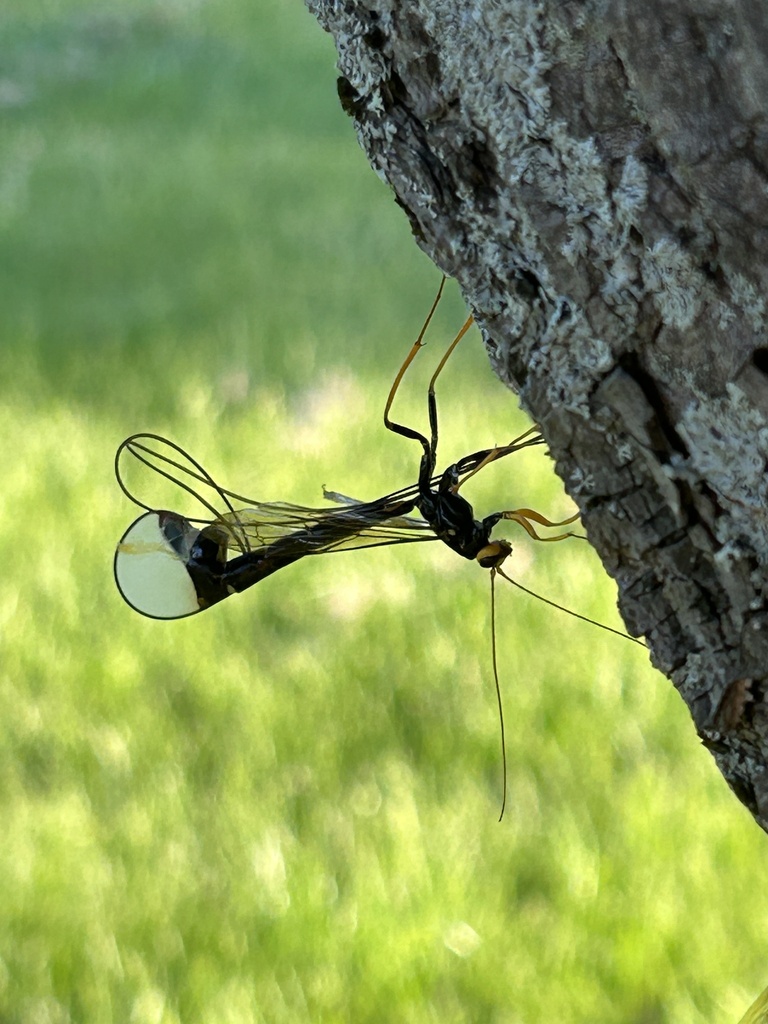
{"points": [[523, 517], [400, 428], [431, 400], [482, 459], [429, 445]]}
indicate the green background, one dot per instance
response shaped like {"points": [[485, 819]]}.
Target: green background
{"points": [[285, 809]]}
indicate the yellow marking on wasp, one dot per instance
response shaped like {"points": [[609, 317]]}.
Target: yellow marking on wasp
{"points": [[145, 548]]}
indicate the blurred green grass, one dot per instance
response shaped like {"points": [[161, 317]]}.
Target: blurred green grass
{"points": [[285, 810]]}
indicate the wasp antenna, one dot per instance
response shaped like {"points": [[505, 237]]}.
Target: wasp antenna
{"points": [[498, 695], [569, 611]]}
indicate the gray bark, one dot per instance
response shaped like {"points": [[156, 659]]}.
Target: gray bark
{"points": [[595, 175]]}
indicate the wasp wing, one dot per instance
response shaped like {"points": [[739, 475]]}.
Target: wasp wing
{"points": [[168, 566], [156, 556]]}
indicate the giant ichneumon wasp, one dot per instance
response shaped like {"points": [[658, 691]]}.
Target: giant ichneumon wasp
{"points": [[168, 566]]}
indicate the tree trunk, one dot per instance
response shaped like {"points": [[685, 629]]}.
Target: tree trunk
{"points": [[595, 175]]}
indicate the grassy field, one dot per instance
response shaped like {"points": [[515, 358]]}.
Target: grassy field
{"points": [[284, 810]]}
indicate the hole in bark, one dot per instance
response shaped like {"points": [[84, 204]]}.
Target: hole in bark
{"points": [[655, 162], [712, 270], [636, 236], [527, 285], [760, 360], [375, 38], [349, 98]]}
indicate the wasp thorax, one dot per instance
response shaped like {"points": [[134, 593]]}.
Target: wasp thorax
{"points": [[493, 554]]}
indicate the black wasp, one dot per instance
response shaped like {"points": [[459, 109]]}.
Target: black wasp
{"points": [[168, 566]]}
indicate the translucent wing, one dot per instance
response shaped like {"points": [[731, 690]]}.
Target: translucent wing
{"points": [[359, 525], [168, 566]]}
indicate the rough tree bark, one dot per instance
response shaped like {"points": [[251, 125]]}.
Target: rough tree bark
{"points": [[595, 175]]}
